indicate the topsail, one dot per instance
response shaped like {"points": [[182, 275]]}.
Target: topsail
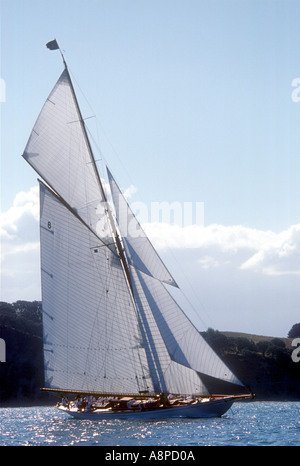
{"points": [[58, 149]]}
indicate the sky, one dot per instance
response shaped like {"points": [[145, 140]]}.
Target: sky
{"points": [[190, 103]]}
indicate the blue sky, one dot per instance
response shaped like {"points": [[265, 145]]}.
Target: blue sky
{"points": [[194, 104]]}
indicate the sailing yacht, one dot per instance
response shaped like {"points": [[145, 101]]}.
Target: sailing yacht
{"points": [[116, 344]]}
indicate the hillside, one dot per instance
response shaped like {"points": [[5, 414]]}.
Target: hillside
{"points": [[257, 338], [262, 363]]}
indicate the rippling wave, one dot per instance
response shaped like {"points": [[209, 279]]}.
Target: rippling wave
{"points": [[253, 423]]}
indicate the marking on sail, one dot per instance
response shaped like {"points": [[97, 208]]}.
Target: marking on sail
{"points": [[48, 273], [96, 160], [50, 317], [48, 229], [83, 119], [28, 155], [95, 248]]}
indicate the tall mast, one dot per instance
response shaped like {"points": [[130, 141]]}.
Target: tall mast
{"points": [[53, 45]]}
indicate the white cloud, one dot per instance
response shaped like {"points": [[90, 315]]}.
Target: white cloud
{"points": [[225, 239], [20, 248], [18, 219], [241, 278], [208, 262], [246, 279], [249, 249], [129, 192], [280, 256]]}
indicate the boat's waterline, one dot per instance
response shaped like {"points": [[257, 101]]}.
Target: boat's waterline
{"points": [[206, 409]]}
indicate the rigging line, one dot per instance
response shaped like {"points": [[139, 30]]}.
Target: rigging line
{"points": [[85, 134], [102, 190], [101, 245], [94, 330], [96, 160], [104, 132], [136, 316], [109, 213], [83, 95], [101, 367], [62, 201], [132, 305], [95, 143], [193, 308], [188, 282], [76, 121]]}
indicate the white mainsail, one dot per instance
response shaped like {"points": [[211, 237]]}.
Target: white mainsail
{"points": [[110, 325], [91, 337]]}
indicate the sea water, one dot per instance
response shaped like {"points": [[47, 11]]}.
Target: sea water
{"points": [[254, 423]]}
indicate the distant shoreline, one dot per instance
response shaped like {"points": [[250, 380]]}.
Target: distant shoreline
{"points": [[264, 364]]}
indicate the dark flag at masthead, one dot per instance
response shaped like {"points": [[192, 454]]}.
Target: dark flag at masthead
{"points": [[52, 45]]}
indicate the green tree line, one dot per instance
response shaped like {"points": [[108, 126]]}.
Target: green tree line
{"points": [[266, 367]]}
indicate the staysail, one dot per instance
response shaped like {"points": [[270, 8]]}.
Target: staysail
{"points": [[109, 323]]}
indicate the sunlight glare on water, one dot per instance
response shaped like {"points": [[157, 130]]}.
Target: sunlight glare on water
{"points": [[253, 423]]}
